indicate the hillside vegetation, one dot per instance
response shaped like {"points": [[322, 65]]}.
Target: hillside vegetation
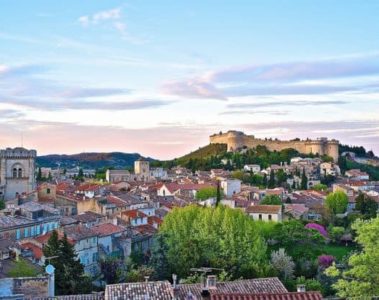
{"points": [[94, 160]]}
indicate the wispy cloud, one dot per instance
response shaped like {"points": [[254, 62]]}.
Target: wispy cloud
{"points": [[19, 86], [101, 16], [287, 103], [113, 18], [297, 78]]}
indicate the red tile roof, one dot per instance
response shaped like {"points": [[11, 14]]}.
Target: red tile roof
{"points": [[133, 214], [265, 209], [107, 229], [277, 296], [37, 251]]}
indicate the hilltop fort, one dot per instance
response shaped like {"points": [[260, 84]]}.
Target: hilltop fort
{"points": [[237, 140]]}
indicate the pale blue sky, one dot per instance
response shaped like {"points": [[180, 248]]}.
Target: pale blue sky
{"points": [[158, 77]]}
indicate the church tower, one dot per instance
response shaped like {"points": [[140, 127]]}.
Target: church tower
{"points": [[17, 172]]}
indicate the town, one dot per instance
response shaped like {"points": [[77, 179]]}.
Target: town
{"points": [[235, 219]]}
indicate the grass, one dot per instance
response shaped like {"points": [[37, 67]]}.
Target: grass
{"points": [[338, 251]]}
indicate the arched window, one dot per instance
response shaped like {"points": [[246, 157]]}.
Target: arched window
{"points": [[14, 172], [19, 173]]}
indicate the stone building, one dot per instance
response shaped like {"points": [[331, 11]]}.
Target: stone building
{"points": [[17, 172], [237, 140], [142, 168]]}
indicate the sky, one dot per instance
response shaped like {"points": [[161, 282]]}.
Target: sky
{"points": [[158, 77]]}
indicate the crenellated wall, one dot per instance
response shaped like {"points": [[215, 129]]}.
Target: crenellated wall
{"points": [[237, 139]]}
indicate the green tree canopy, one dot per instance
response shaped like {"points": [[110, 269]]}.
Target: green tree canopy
{"points": [[219, 237], [320, 187], [271, 200], [361, 279], [206, 193], [69, 272], [367, 206], [337, 202]]}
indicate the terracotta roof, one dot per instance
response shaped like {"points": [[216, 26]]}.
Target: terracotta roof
{"points": [[145, 229], [107, 229], [88, 216], [75, 297], [134, 213], [157, 290], [264, 296], [116, 201], [79, 232], [245, 286], [37, 251], [265, 209], [154, 220]]}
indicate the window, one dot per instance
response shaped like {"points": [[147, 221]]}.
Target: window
{"points": [[14, 173], [18, 234], [260, 217], [26, 232], [269, 217], [19, 173], [47, 191]]}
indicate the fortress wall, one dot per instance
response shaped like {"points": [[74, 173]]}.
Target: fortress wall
{"points": [[237, 139]]}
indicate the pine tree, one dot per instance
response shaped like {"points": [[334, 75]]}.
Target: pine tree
{"points": [[69, 272]]}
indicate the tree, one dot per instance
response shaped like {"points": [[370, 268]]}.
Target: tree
{"points": [[218, 193], [283, 264], [304, 181], [336, 233], [80, 174], [271, 200], [206, 193], [264, 180], [219, 237], [110, 270], [271, 181], [320, 187], [367, 206], [159, 260], [39, 174], [2, 204], [361, 279], [337, 202], [69, 272]]}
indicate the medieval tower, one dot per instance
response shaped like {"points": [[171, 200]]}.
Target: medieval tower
{"points": [[17, 172], [237, 140]]}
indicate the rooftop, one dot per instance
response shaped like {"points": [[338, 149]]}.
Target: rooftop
{"points": [[265, 209]]}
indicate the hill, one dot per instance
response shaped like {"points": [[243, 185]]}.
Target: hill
{"points": [[94, 160], [203, 152]]}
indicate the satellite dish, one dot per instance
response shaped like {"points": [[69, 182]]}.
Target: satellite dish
{"points": [[50, 269]]}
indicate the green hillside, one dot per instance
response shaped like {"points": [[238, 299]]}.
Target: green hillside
{"points": [[203, 152]]}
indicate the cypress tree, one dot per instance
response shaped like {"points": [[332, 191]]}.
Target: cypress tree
{"points": [[304, 181]]}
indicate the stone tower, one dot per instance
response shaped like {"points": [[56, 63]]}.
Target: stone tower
{"points": [[142, 168], [17, 172]]}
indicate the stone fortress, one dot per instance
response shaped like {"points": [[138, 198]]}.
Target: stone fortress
{"points": [[17, 172], [237, 140]]}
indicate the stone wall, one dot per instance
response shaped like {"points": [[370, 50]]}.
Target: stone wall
{"points": [[237, 139]]}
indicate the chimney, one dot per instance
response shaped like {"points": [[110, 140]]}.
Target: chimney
{"points": [[175, 288], [301, 288], [211, 282], [146, 279]]}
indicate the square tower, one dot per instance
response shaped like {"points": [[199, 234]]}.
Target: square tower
{"points": [[142, 168], [17, 172]]}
